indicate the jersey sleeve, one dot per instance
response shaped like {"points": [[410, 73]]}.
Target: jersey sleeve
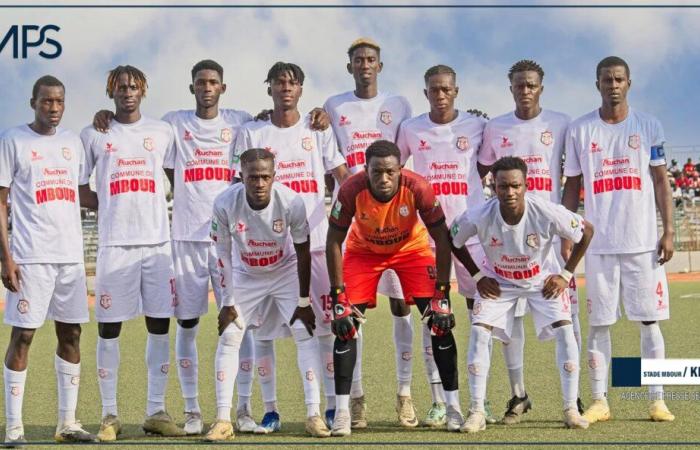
{"points": [[427, 204], [221, 236], [486, 155], [402, 144], [658, 157], [462, 229], [565, 223], [344, 206], [407, 111], [331, 155], [169, 157], [7, 161], [572, 164], [241, 145], [87, 136], [298, 225]]}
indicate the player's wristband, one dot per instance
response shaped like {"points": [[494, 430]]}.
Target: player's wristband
{"points": [[566, 275], [304, 302], [477, 276]]}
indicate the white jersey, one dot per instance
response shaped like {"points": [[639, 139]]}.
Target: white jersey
{"points": [[42, 173], [200, 157], [302, 158], [445, 155], [538, 141], [358, 122], [128, 163], [258, 242], [517, 255], [615, 161]]}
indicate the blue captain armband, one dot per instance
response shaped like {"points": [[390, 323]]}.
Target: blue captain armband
{"points": [[657, 152]]}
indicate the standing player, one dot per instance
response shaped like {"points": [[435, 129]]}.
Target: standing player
{"points": [[359, 118], [134, 262], [43, 268], [302, 157], [381, 208], [536, 135], [444, 144], [516, 231], [255, 223], [619, 153]]}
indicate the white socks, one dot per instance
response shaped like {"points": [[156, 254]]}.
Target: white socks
{"points": [[226, 367], [158, 365], [403, 341], [513, 353], [567, 362], [187, 365], [342, 402], [265, 363], [325, 344], [479, 361], [652, 347], [599, 353], [68, 382], [246, 370], [577, 330], [308, 360], [431, 370], [356, 390], [107, 373], [14, 395]]}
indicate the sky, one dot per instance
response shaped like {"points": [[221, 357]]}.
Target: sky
{"points": [[660, 45]]}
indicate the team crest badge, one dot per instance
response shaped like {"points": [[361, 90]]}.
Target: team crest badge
{"points": [[245, 366], [310, 375], [105, 301], [330, 368], [23, 306], [226, 135], [406, 356], [462, 143], [546, 138], [102, 373], [277, 225], [307, 144], [15, 391], [385, 117], [67, 154], [164, 368], [403, 210], [221, 375], [185, 363], [634, 142], [532, 240], [574, 223], [75, 380], [148, 144]]}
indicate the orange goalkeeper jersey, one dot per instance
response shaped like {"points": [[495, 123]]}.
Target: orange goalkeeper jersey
{"points": [[386, 227]]}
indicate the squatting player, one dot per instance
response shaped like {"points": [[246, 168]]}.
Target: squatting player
{"points": [[261, 224], [302, 158], [443, 145], [619, 153], [517, 233], [536, 135], [381, 208], [43, 267], [358, 118], [134, 263]]}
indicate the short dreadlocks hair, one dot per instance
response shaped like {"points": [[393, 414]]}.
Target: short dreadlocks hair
{"points": [[525, 65], [280, 68], [134, 74]]}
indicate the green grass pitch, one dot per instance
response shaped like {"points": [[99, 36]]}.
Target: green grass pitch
{"points": [[541, 425]]}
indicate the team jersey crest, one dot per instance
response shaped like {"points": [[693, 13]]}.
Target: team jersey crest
{"points": [[532, 240], [148, 144], [226, 135], [277, 225], [634, 142], [67, 153], [307, 144], [546, 138], [403, 210], [462, 143], [385, 117]]}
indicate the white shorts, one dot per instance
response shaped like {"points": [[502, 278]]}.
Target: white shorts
{"points": [[134, 280], [195, 265], [499, 313], [267, 302], [320, 294], [636, 278], [48, 291], [389, 285]]}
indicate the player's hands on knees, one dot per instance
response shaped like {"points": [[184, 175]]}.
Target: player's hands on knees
{"points": [[664, 249], [554, 286], [10, 275], [439, 312], [342, 325], [488, 288], [226, 316], [307, 317], [101, 120], [320, 120], [264, 115]]}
